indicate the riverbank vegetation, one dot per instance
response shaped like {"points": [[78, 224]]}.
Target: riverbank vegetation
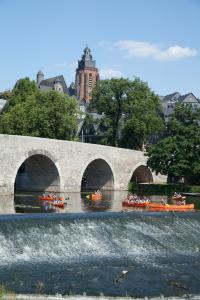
{"points": [[163, 189], [130, 112], [31, 112], [177, 154], [5, 293]]}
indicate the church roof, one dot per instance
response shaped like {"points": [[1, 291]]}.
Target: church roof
{"points": [[40, 72], [49, 83], [86, 60]]}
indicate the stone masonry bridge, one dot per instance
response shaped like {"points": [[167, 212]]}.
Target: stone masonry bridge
{"points": [[38, 164]]}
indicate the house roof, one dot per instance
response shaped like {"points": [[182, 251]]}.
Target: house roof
{"points": [[171, 97], [51, 81], [189, 96]]}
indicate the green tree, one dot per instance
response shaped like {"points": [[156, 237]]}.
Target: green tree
{"points": [[177, 154], [22, 89], [43, 114], [130, 112]]}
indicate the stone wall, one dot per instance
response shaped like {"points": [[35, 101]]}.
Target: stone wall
{"points": [[70, 160]]}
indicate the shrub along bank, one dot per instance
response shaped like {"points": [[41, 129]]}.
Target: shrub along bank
{"points": [[163, 189]]}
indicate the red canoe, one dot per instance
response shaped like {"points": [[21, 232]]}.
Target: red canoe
{"points": [[47, 198], [134, 204], [57, 203]]}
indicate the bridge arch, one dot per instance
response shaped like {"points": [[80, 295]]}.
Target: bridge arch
{"points": [[97, 174], [141, 174], [37, 170]]}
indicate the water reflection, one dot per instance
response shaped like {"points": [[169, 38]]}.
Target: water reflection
{"points": [[104, 204], [112, 201], [75, 203]]}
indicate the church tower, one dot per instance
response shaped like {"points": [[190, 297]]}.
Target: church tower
{"points": [[40, 77], [86, 76]]}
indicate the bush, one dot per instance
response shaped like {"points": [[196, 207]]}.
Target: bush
{"points": [[158, 188], [6, 294]]}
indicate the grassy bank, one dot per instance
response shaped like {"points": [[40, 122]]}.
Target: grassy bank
{"points": [[163, 189], [5, 293]]}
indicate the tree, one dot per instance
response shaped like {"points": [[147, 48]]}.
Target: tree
{"points": [[177, 154], [43, 114], [130, 112], [22, 89]]}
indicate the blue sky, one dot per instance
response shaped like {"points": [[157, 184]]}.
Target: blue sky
{"points": [[156, 40]]}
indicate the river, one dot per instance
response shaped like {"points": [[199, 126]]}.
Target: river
{"points": [[98, 248]]}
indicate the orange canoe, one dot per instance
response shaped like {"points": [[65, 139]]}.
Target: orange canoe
{"points": [[128, 203], [47, 198], [96, 196], [159, 206]]}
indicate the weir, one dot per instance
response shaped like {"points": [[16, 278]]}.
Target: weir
{"points": [[74, 253]]}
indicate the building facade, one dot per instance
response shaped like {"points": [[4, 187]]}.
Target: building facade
{"points": [[86, 76], [169, 102]]}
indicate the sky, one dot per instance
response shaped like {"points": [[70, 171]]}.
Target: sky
{"points": [[155, 40]]}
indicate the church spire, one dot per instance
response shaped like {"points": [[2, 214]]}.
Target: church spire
{"points": [[86, 59]]}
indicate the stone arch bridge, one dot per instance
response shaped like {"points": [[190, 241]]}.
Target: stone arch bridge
{"points": [[38, 164]]}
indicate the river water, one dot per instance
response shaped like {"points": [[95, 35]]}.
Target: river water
{"points": [[98, 248]]}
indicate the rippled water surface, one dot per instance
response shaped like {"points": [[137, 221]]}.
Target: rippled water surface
{"points": [[97, 248], [74, 253], [112, 201]]}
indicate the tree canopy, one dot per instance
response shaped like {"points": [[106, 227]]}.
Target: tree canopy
{"points": [[130, 112], [177, 154], [32, 112]]}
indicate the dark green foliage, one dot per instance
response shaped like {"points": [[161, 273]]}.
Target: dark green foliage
{"points": [[158, 189], [178, 153], [23, 89], [44, 114], [162, 189], [130, 112]]}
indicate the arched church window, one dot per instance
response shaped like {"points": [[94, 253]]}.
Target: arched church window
{"points": [[90, 80]]}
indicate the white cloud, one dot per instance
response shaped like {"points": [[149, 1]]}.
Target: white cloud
{"points": [[110, 73], [154, 51], [177, 52], [137, 49]]}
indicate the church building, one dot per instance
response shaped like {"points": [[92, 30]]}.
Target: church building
{"points": [[86, 76], [55, 83]]}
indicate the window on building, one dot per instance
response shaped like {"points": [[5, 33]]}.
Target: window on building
{"points": [[90, 81]]}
